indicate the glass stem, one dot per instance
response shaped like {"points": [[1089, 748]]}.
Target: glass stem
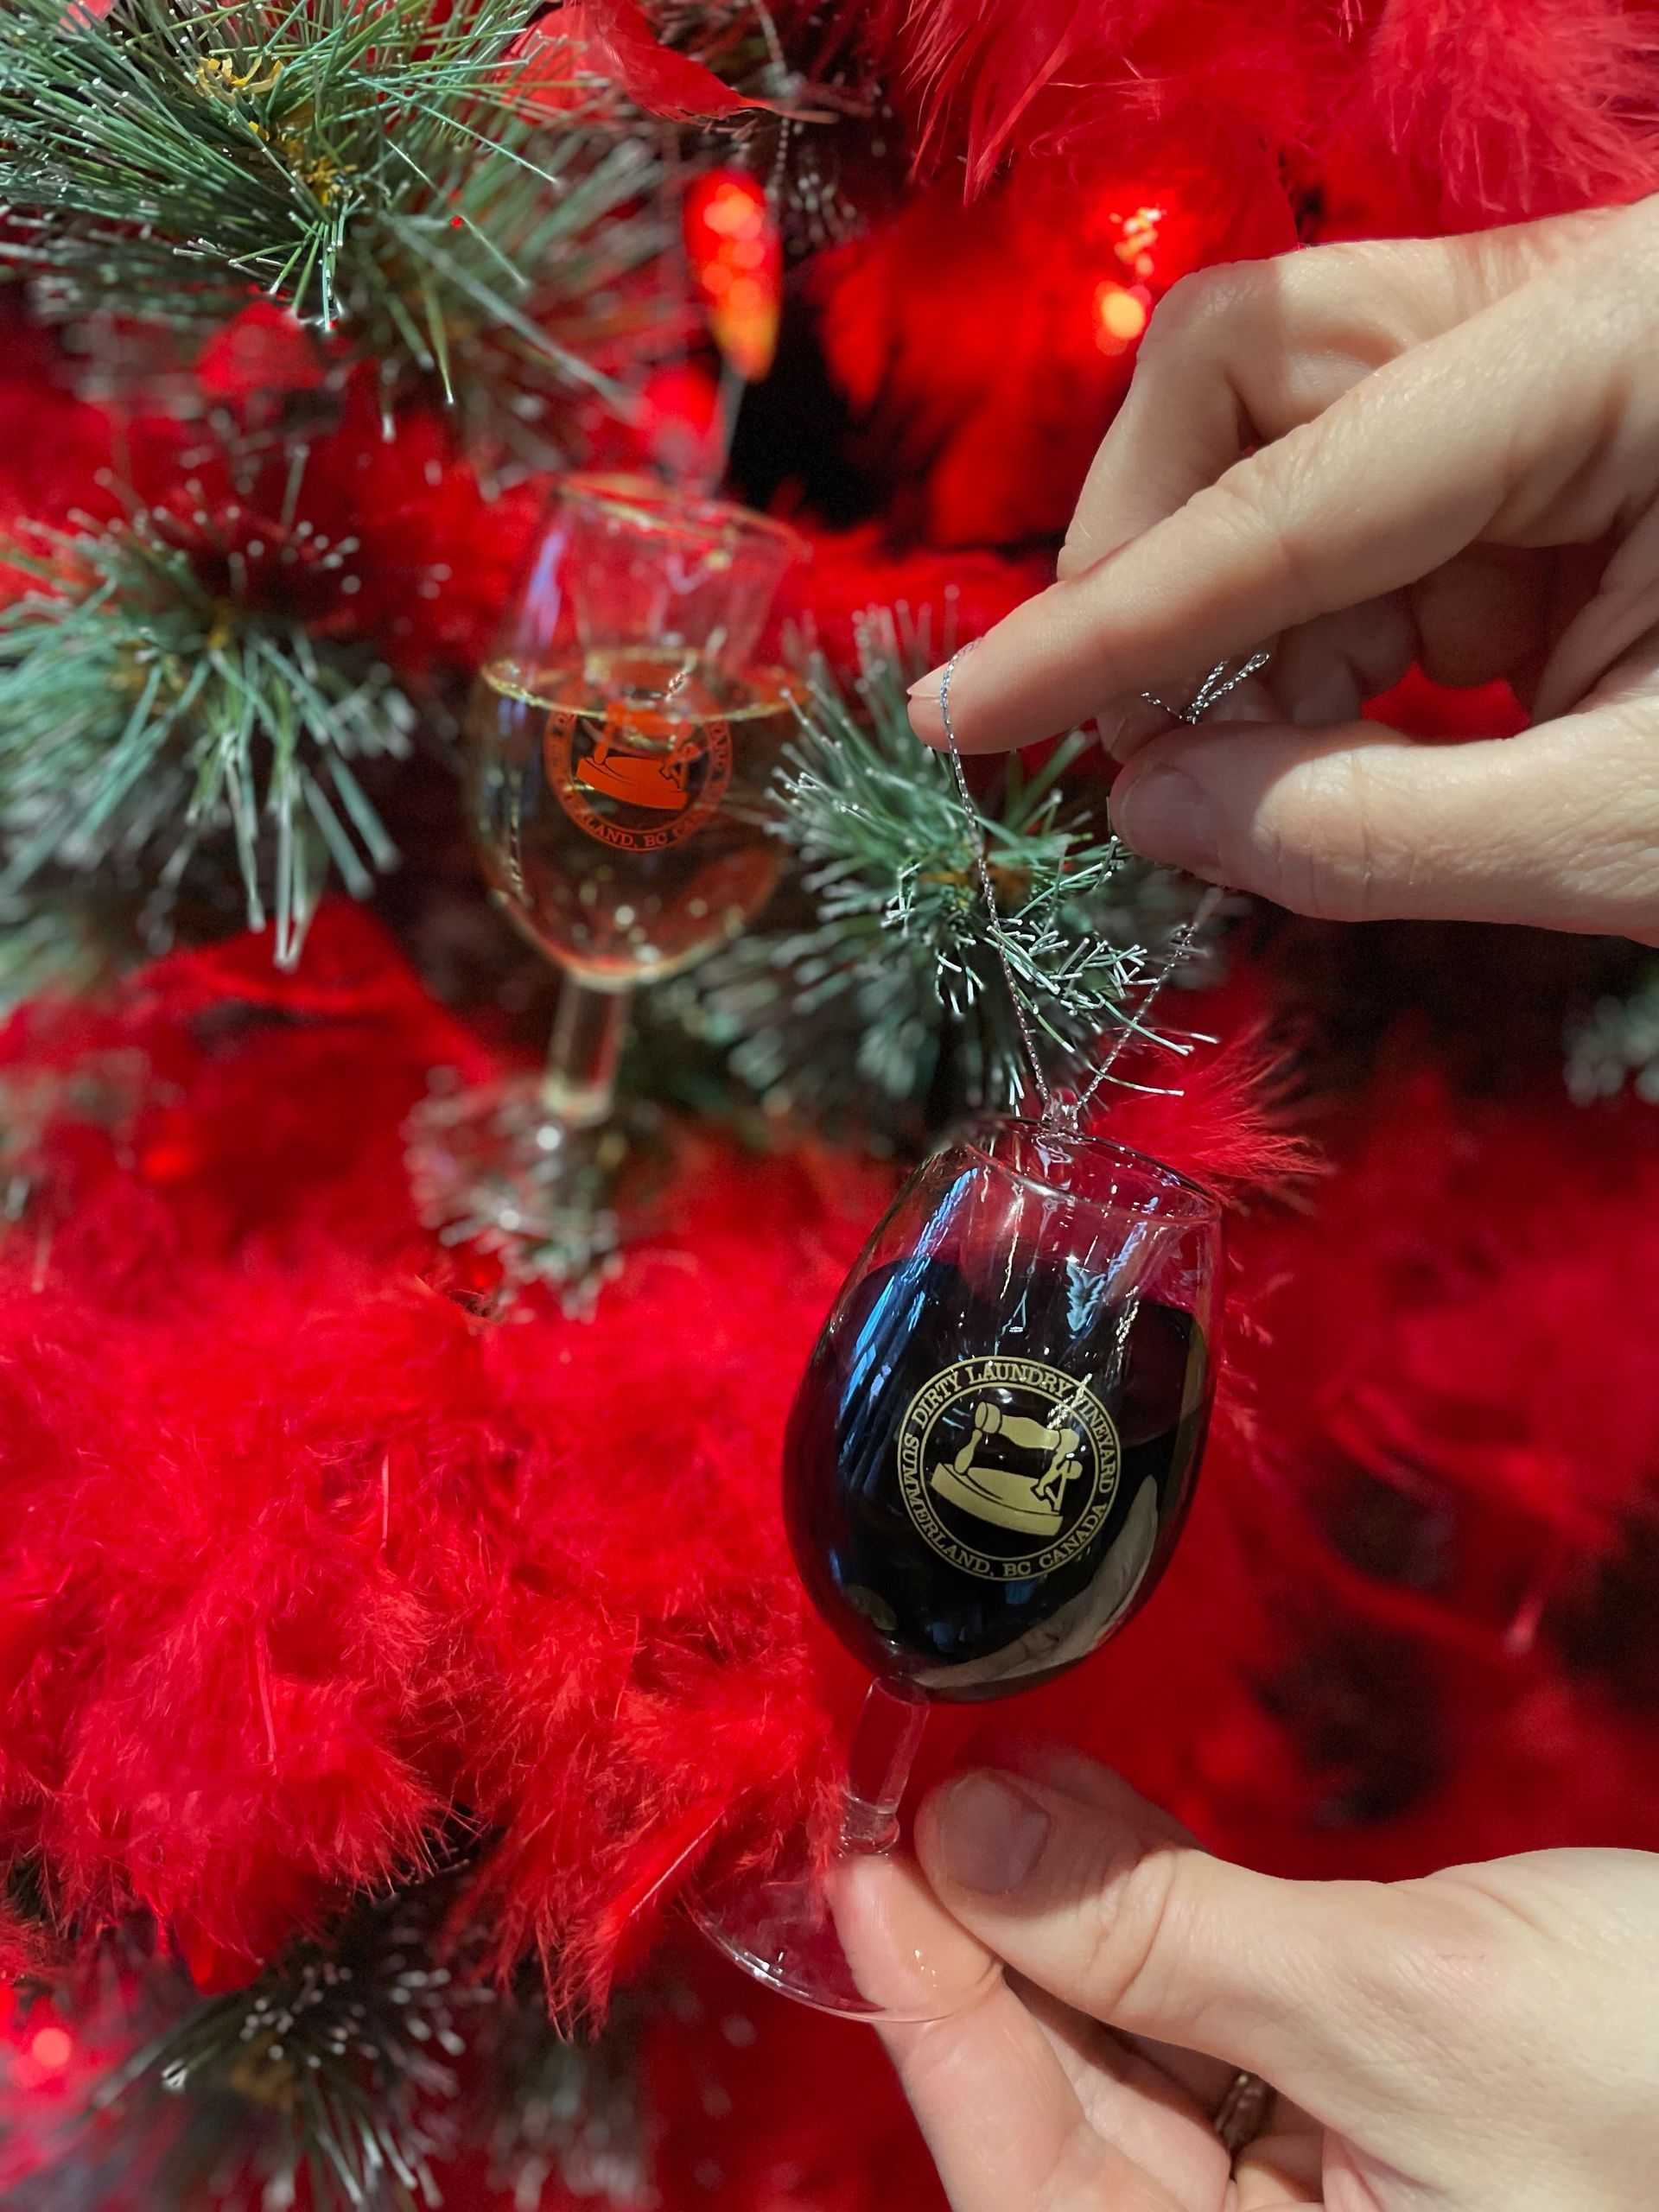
{"points": [[579, 1087], [884, 1747]]}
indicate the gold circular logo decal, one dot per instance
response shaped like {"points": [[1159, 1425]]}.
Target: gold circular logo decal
{"points": [[1007, 1466], [639, 780]]}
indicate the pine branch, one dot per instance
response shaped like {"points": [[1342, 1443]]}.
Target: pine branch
{"points": [[59, 945], [145, 705], [338, 2063], [378, 170], [889, 994], [346, 2075]]}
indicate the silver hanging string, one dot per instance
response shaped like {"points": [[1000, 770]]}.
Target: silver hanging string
{"points": [[1068, 1113]]}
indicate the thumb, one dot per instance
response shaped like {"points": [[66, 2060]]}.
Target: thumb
{"points": [[1558, 827], [1328, 1989]]}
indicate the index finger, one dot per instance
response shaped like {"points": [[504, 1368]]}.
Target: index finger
{"points": [[1404, 470], [1235, 356]]}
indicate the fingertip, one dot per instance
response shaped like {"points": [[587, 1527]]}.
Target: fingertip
{"points": [[988, 1837], [928, 695], [1049, 1760], [911, 1958], [999, 686], [1128, 727], [927, 717]]}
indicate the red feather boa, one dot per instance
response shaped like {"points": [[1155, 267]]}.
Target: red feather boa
{"points": [[303, 1553], [1444, 113]]}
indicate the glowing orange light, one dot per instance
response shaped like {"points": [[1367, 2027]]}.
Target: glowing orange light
{"points": [[1120, 317], [736, 262], [731, 212], [1139, 236], [51, 2049]]}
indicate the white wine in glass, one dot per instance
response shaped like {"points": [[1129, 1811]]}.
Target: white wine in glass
{"points": [[617, 802]]}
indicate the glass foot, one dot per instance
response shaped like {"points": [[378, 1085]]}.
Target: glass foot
{"points": [[489, 1167], [862, 1938]]}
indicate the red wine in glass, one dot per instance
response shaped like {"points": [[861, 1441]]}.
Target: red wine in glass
{"points": [[985, 1471]]}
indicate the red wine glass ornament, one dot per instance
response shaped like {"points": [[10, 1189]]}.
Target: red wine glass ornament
{"points": [[986, 1468]]}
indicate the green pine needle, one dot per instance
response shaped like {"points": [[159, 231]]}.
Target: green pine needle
{"points": [[376, 169], [140, 714], [58, 945], [892, 996]]}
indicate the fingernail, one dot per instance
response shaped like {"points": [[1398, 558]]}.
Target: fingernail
{"points": [[1109, 728], [990, 1833], [1124, 729], [929, 686], [1167, 815], [926, 715]]}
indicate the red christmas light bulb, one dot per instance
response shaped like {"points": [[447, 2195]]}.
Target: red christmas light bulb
{"points": [[736, 262]]}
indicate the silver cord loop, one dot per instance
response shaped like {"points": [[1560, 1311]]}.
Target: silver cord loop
{"points": [[1213, 689], [1059, 1113]]}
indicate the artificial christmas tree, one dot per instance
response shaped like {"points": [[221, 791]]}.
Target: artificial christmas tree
{"points": [[381, 1645]]}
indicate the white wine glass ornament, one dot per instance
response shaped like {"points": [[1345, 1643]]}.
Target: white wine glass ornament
{"points": [[618, 744]]}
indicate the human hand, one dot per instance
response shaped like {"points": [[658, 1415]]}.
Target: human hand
{"points": [[1484, 2040], [1456, 462]]}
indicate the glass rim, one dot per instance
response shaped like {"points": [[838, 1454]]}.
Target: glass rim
{"points": [[659, 506], [1196, 1204]]}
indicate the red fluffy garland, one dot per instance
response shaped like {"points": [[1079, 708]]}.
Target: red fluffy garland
{"points": [[304, 1554], [1454, 112]]}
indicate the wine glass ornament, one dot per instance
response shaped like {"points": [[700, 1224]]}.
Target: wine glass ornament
{"points": [[618, 747], [985, 1469]]}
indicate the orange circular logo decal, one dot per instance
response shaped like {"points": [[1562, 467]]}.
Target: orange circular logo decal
{"points": [[639, 780]]}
